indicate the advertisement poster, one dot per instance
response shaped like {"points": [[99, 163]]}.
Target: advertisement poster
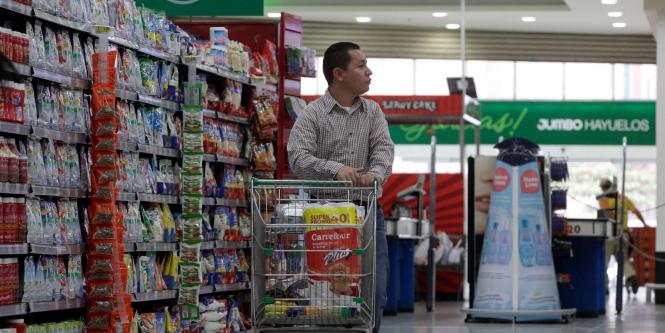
{"points": [[516, 269]]}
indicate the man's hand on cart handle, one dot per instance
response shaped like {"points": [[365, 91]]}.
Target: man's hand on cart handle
{"points": [[368, 179], [349, 174]]}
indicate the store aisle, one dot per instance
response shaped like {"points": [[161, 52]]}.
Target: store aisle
{"points": [[638, 316]]}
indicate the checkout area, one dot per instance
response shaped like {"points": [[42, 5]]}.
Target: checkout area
{"points": [[579, 262], [408, 244]]}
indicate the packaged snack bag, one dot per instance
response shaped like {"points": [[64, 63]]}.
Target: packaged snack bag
{"points": [[330, 249]]}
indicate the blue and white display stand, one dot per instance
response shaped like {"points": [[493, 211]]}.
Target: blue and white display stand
{"points": [[516, 279]]}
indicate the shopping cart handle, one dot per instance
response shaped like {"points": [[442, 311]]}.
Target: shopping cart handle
{"points": [[299, 182]]}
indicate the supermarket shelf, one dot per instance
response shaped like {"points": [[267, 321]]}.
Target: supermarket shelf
{"points": [[61, 78], [225, 117], [160, 151], [14, 128], [13, 249], [154, 296], [22, 69], [127, 95], [18, 8], [233, 160], [209, 113], [170, 105], [232, 203], [151, 100], [68, 304], [56, 250], [127, 197], [233, 244], [159, 54], [158, 102], [209, 201], [208, 245], [240, 286], [232, 118], [130, 247], [226, 160], [66, 137], [267, 87], [123, 42], [18, 189], [62, 192], [207, 290], [223, 73], [126, 145], [61, 21], [11, 310], [155, 247], [158, 198]]}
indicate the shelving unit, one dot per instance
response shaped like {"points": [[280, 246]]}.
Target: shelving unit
{"points": [[83, 141]]}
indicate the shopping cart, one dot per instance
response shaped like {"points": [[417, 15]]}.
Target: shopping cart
{"points": [[313, 270]]}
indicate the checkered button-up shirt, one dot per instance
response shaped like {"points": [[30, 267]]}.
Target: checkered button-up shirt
{"points": [[327, 137]]}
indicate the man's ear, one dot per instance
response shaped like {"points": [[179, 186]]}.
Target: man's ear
{"points": [[338, 74]]}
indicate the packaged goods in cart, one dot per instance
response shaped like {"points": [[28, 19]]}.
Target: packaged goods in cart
{"points": [[333, 249]]}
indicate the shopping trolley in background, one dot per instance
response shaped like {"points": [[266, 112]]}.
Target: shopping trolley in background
{"points": [[313, 260]]}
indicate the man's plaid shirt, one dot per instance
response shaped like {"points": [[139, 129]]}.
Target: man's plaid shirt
{"points": [[326, 137]]}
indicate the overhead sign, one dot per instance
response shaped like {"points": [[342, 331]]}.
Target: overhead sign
{"points": [[556, 123], [206, 7]]}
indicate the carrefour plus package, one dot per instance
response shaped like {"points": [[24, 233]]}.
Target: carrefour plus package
{"points": [[330, 248]]}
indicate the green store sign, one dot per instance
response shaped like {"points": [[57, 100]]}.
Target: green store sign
{"points": [[206, 7], [548, 123]]}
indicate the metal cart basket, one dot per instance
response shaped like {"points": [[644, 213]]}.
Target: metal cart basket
{"points": [[313, 256]]}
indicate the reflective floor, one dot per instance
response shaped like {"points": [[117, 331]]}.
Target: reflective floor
{"points": [[638, 316]]}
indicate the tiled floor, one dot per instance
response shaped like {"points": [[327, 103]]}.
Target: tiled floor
{"points": [[638, 316]]}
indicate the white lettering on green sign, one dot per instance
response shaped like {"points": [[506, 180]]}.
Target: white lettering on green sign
{"points": [[609, 125]]}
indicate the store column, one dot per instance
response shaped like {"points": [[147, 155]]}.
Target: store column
{"points": [[655, 10]]}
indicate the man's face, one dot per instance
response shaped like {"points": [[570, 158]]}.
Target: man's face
{"points": [[604, 188], [357, 75]]}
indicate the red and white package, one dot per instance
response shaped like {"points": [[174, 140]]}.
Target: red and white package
{"points": [[330, 248]]}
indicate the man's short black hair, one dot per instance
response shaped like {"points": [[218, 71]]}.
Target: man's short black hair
{"points": [[337, 55]]}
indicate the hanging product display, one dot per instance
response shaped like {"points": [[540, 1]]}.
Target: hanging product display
{"points": [[192, 195], [106, 295]]}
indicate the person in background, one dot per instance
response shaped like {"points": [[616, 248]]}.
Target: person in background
{"points": [[607, 201], [342, 136]]}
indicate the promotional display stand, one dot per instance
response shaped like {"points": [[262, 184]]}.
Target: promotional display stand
{"points": [[516, 279]]}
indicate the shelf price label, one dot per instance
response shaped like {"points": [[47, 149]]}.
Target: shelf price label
{"points": [[206, 7]]}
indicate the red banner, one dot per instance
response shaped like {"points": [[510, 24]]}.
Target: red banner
{"points": [[449, 198], [417, 109]]}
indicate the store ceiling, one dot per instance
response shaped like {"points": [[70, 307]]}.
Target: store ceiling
{"points": [[556, 16]]}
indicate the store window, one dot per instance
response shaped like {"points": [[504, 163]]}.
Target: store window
{"points": [[539, 80], [391, 76], [640, 188], [634, 82], [431, 75], [494, 79], [588, 81]]}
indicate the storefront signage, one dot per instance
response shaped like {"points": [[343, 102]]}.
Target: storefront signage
{"points": [[556, 123], [206, 7]]}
